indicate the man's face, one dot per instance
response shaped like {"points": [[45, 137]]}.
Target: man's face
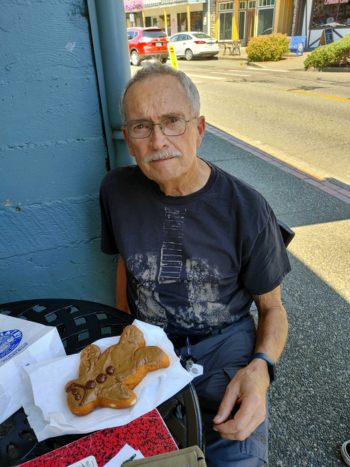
{"points": [[153, 99]]}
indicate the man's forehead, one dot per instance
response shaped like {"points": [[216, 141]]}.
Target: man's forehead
{"points": [[163, 94]]}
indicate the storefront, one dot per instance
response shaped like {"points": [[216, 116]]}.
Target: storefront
{"points": [[171, 16], [227, 20], [326, 21], [244, 19], [133, 12]]}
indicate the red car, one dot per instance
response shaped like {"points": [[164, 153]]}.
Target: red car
{"points": [[147, 43]]}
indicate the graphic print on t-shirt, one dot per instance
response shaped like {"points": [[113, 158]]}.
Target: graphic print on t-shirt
{"points": [[172, 288], [171, 251]]}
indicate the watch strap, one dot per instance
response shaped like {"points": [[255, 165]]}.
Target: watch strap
{"points": [[269, 361]]}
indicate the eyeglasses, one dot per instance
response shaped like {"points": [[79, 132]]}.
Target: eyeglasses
{"points": [[169, 126]]}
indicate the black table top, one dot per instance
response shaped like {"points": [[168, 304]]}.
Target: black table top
{"points": [[80, 323]]}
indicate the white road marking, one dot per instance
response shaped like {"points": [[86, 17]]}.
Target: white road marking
{"points": [[231, 73], [267, 69], [204, 76]]}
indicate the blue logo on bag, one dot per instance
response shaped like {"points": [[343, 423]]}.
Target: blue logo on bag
{"points": [[9, 340]]}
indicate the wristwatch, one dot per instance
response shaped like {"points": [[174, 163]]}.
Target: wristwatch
{"points": [[270, 364]]}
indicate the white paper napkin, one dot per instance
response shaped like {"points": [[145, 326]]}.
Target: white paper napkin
{"points": [[48, 413], [22, 343]]}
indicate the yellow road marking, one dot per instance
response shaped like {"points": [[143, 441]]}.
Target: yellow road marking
{"points": [[324, 96]]}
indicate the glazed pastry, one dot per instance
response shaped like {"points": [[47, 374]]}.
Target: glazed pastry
{"points": [[107, 379]]}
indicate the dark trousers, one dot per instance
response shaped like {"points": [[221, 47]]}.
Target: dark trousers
{"points": [[221, 356]]}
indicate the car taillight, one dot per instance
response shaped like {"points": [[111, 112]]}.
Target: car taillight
{"points": [[199, 42]]}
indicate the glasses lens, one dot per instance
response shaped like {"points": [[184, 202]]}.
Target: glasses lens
{"points": [[173, 126], [141, 129]]}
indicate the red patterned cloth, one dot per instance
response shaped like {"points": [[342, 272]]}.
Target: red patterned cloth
{"points": [[148, 433]]}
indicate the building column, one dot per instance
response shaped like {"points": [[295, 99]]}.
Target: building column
{"points": [[256, 17], [165, 21], [235, 25], [276, 20]]}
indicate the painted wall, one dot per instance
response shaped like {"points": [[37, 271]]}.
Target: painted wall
{"points": [[52, 155]]}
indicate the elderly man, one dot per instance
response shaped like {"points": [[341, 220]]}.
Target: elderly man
{"points": [[199, 247]]}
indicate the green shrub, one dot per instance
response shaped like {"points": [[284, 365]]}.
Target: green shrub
{"points": [[334, 54], [268, 48]]}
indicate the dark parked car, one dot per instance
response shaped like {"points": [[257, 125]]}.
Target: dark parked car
{"points": [[147, 43]]}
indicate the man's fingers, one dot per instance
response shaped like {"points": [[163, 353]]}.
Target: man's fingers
{"points": [[244, 423], [227, 406]]}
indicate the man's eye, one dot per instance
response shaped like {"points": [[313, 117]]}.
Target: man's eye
{"points": [[139, 126], [171, 120]]}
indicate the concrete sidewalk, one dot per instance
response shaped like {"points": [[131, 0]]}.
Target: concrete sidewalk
{"points": [[310, 401], [290, 62]]}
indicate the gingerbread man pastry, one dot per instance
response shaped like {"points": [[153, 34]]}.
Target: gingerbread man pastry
{"points": [[106, 379]]}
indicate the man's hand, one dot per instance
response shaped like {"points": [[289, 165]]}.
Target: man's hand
{"points": [[247, 391]]}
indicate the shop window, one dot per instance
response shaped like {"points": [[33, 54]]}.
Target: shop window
{"points": [[196, 21], [265, 21], [326, 13], [226, 6], [225, 20], [266, 3], [242, 18], [182, 22]]}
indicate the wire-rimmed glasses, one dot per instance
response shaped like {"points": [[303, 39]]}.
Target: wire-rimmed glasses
{"points": [[172, 125]]}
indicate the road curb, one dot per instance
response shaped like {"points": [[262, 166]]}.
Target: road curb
{"points": [[334, 69]]}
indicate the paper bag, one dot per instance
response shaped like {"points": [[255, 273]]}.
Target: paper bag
{"points": [[22, 343]]}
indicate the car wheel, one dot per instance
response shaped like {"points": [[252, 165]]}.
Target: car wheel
{"points": [[164, 59], [188, 54], [134, 58]]}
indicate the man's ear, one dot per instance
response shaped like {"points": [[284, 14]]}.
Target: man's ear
{"points": [[128, 142], [201, 129]]}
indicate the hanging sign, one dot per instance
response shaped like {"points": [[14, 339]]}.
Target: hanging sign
{"points": [[335, 2]]}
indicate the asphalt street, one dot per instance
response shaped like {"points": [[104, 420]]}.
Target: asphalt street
{"points": [[300, 117]]}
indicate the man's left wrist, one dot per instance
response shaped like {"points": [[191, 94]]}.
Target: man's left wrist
{"points": [[270, 364]]}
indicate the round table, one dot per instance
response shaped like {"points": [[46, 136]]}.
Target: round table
{"points": [[79, 323]]}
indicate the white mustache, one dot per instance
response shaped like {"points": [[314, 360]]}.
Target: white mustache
{"points": [[161, 154]]}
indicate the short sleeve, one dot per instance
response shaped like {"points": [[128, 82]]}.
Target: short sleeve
{"points": [[267, 262], [108, 244]]}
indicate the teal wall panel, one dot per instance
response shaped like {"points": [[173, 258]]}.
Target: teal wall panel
{"points": [[52, 155]]}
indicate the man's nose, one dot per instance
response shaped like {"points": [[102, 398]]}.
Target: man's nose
{"points": [[158, 139]]}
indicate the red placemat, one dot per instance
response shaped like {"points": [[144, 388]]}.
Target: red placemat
{"points": [[148, 433]]}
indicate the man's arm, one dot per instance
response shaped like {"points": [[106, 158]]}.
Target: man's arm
{"points": [[249, 385]]}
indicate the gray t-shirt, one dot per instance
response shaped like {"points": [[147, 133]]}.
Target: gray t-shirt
{"points": [[193, 262]]}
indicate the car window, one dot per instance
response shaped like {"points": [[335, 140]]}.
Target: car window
{"points": [[201, 35], [174, 38], [131, 35], [154, 34], [186, 37]]}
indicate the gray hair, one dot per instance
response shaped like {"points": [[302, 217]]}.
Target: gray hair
{"points": [[157, 69]]}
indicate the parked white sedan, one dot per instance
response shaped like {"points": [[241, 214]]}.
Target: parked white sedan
{"points": [[193, 44]]}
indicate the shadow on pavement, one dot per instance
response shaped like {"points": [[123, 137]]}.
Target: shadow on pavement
{"points": [[310, 401]]}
